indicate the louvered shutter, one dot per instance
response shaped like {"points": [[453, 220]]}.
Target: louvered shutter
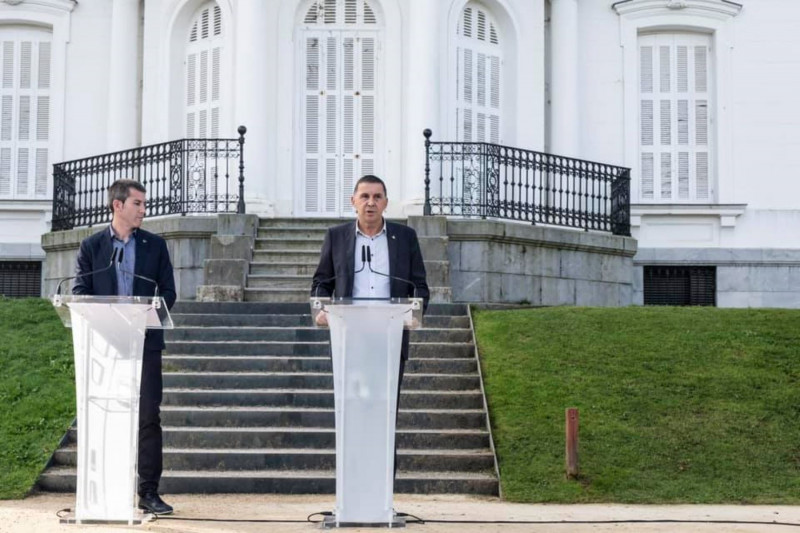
{"points": [[203, 74], [339, 104], [674, 118], [24, 113], [478, 77]]}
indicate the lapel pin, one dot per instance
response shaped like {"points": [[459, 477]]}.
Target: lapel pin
{"points": [[392, 236]]}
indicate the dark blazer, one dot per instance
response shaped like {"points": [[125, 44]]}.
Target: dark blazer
{"points": [[152, 261], [337, 260]]}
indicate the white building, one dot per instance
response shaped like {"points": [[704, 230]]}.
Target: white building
{"points": [[697, 97]]}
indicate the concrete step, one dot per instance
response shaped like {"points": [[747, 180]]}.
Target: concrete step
{"points": [[302, 459], [291, 321], [283, 269], [270, 363], [307, 438], [306, 380], [296, 334], [276, 295], [287, 244], [244, 417], [424, 350], [286, 256], [289, 482], [305, 223], [470, 399], [292, 232], [287, 308], [270, 281]]}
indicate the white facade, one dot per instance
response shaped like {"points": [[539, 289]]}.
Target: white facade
{"points": [[697, 97]]}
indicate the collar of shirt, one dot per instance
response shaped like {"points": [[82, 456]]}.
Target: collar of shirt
{"points": [[361, 233], [115, 236]]}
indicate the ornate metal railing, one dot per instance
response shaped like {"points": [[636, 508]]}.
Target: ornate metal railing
{"points": [[491, 181], [183, 176]]}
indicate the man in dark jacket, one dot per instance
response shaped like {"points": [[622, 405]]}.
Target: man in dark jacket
{"points": [[394, 250], [146, 255]]}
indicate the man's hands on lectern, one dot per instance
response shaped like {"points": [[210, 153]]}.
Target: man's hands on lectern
{"points": [[322, 318]]}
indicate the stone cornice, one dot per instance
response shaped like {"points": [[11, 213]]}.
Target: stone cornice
{"points": [[540, 236], [654, 7]]}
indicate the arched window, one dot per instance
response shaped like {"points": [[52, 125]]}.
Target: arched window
{"points": [[24, 111], [339, 66], [203, 73], [675, 88], [479, 62]]}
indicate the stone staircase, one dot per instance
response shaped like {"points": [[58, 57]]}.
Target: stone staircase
{"points": [[248, 399], [285, 256]]}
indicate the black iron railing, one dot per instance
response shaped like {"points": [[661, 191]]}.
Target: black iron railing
{"points": [[183, 176], [488, 180]]}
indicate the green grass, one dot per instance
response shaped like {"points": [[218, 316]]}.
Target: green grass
{"points": [[694, 405], [37, 396]]}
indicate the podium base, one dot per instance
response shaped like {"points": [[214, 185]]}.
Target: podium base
{"points": [[139, 519], [330, 523]]}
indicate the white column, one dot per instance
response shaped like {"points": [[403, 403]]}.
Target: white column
{"points": [[123, 77], [422, 100], [565, 125], [254, 90]]}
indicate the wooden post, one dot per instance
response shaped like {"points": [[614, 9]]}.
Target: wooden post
{"points": [[572, 443]]}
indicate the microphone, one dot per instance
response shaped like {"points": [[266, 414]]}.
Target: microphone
{"points": [[110, 264], [135, 275], [364, 255], [369, 262]]}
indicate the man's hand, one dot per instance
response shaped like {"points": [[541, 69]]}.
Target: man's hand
{"points": [[322, 318]]}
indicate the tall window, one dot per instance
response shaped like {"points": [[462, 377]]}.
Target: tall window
{"points": [[24, 112], [203, 72], [478, 76], [340, 47], [675, 79]]}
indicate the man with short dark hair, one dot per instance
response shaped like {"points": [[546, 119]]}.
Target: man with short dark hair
{"points": [[144, 254], [395, 251]]}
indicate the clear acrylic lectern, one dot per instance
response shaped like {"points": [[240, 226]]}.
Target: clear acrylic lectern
{"points": [[108, 341], [366, 339]]}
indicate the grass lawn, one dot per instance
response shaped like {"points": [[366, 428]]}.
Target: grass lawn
{"points": [[37, 396], [695, 405]]}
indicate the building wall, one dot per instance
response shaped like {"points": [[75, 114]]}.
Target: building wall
{"points": [[756, 51]]}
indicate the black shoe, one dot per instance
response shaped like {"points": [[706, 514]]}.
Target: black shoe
{"points": [[151, 502]]}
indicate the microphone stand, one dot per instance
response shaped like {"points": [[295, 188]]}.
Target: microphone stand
{"points": [[110, 264]]}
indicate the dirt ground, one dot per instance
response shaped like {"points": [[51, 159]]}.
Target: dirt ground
{"points": [[237, 513]]}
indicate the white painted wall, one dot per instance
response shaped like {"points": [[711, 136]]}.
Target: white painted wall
{"points": [[762, 117]]}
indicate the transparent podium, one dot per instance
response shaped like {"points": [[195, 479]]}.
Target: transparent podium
{"points": [[108, 341], [366, 339]]}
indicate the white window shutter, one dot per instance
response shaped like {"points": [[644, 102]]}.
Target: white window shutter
{"points": [[24, 112], [340, 109], [478, 90], [203, 73], [674, 88], [312, 118]]}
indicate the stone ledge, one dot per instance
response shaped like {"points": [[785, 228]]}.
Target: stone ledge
{"points": [[763, 257], [540, 236]]}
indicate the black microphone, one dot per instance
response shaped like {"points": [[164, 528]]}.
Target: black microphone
{"points": [[364, 258], [110, 264], [369, 262], [364, 254], [135, 275]]}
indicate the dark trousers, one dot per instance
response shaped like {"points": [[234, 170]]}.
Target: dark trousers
{"points": [[150, 440]]}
